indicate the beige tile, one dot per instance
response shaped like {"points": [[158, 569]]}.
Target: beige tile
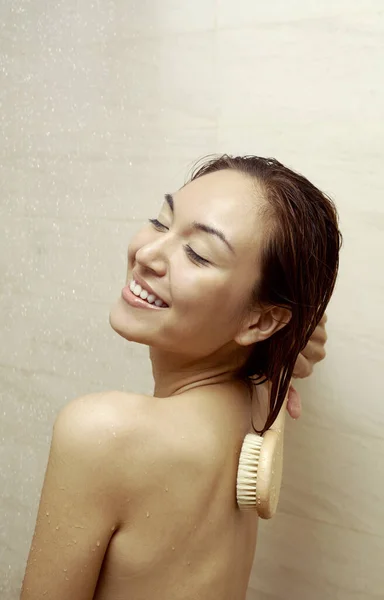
{"points": [[103, 126], [74, 259], [148, 17], [299, 558], [57, 292], [344, 393], [290, 77], [78, 22], [125, 189], [107, 99], [247, 13], [70, 339], [334, 476]]}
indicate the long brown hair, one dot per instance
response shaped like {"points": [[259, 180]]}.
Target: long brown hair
{"points": [[300, 261]]}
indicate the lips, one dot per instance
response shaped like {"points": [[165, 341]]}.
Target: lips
{"points": [[147, 287]]}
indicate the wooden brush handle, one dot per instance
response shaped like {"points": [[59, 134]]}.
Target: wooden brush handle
{"points": [[270, 468]]}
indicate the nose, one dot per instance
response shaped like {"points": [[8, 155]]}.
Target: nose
{"points": [[153, 257]]}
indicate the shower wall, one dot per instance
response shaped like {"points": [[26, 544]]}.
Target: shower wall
{"points": [[104, 107]]}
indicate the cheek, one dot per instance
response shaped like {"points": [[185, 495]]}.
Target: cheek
{"points": [[203, 292], [231, 300]]}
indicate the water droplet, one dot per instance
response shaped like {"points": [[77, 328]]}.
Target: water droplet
{"points": [[65, 570], [173, 547], [57, 526], [147, 515], [97, 543], [47, 513], [113, 528], [188, 563], [166, 489]]}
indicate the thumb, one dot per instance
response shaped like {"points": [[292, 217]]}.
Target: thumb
{"points": [[293, 403]]}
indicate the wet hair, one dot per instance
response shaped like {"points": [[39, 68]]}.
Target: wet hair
{"points": [[299, 265]]}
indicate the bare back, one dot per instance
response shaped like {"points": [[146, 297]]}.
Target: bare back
{"points": [[182, 535]]}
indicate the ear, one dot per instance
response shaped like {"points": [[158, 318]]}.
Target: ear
{"points": [[263, 323]]}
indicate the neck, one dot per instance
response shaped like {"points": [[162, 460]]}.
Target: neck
{"points": [[176, 373]]}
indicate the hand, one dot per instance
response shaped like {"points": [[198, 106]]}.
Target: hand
{"points": [[313, 352]]}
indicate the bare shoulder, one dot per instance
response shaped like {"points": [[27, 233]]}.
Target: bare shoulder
{"points": [[141, 431], [129, 417], [104, 409], [110, 417], [116, 427], [140, 438]]}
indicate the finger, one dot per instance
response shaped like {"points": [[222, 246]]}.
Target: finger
{"points": [[303, 367], [313, 351], [294, 403], [319, 335]]}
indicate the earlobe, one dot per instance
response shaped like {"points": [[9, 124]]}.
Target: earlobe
{"points": [[262, 325]]}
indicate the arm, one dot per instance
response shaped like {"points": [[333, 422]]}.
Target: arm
{"points": [[76, 516]]}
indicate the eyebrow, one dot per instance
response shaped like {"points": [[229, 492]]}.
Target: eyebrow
{"points": [[202, 226]]}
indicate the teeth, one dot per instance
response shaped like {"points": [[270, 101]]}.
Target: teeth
{"points": [[144, 294]]}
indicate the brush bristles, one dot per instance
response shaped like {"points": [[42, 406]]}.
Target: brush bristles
{"points": [[247, 471]]}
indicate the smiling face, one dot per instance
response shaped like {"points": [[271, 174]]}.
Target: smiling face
{"points": [[201, 255]]}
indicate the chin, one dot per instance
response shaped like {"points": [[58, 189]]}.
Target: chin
{"points": [[120, 322], [124, 331]]}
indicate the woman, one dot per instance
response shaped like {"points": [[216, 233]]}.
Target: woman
{"points": [[226, 285]]}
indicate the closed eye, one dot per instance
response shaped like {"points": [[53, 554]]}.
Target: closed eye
{"points": [[157, 224], [191, 253], [195, 257]]}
